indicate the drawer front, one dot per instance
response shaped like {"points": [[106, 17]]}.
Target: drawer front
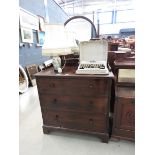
{"points": [[75, 120], [86, 104], [84, 87], [125, 114], [51, 118], [85, 121]]}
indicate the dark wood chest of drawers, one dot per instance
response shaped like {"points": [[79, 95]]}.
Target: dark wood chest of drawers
{"points": [[124, 113], [75, 102]]}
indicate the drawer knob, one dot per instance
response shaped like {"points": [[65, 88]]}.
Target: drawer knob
{"points": [[91, 122], [91, 85], [90, 103], [90, 119], [132, 101], [57, 117], [55, 100]]}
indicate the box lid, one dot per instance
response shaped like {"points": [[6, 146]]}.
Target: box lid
{"points": [[93, 50]]}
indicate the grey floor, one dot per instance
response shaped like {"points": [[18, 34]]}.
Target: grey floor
{"points": [[32, 141]]}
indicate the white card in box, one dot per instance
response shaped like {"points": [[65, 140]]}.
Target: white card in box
{"points": [[93, 57]]}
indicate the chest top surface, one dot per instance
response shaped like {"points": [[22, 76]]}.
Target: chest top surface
{"points": [[69, 72]]}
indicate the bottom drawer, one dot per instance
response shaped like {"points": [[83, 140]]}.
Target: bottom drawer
{"points": [[75, 120]]}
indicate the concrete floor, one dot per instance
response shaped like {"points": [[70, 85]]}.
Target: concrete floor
{"points": [[32, 141]]}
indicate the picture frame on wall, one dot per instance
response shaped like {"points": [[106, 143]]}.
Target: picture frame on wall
{"points": [[28, 20], [41, 38], [41, 23], [26, 35]]}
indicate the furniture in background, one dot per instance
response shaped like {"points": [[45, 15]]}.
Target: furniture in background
{"points": [[31, 70], [124, 110], [132, 46], [113, 46], [75, 102], [70, 60], [119, 55]]}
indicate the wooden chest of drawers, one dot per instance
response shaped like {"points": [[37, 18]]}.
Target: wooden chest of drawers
{"points": [[75, 102], [124, 113]]}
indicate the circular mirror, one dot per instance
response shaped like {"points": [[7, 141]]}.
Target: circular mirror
{"points": [[23, 80]]}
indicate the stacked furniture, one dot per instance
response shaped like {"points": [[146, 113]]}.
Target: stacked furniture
{"points": [[124, 110]]}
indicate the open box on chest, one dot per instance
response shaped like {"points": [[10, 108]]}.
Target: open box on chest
{"points": [[93, 57]]}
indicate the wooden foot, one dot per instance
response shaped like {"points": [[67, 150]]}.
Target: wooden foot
{"points": [[105, 138], [46, 130]]}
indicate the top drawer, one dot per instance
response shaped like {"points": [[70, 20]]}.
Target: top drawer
{"points": [[84, 87]]}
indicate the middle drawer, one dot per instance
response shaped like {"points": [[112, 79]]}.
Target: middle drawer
{"points": [[74, 103]]}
